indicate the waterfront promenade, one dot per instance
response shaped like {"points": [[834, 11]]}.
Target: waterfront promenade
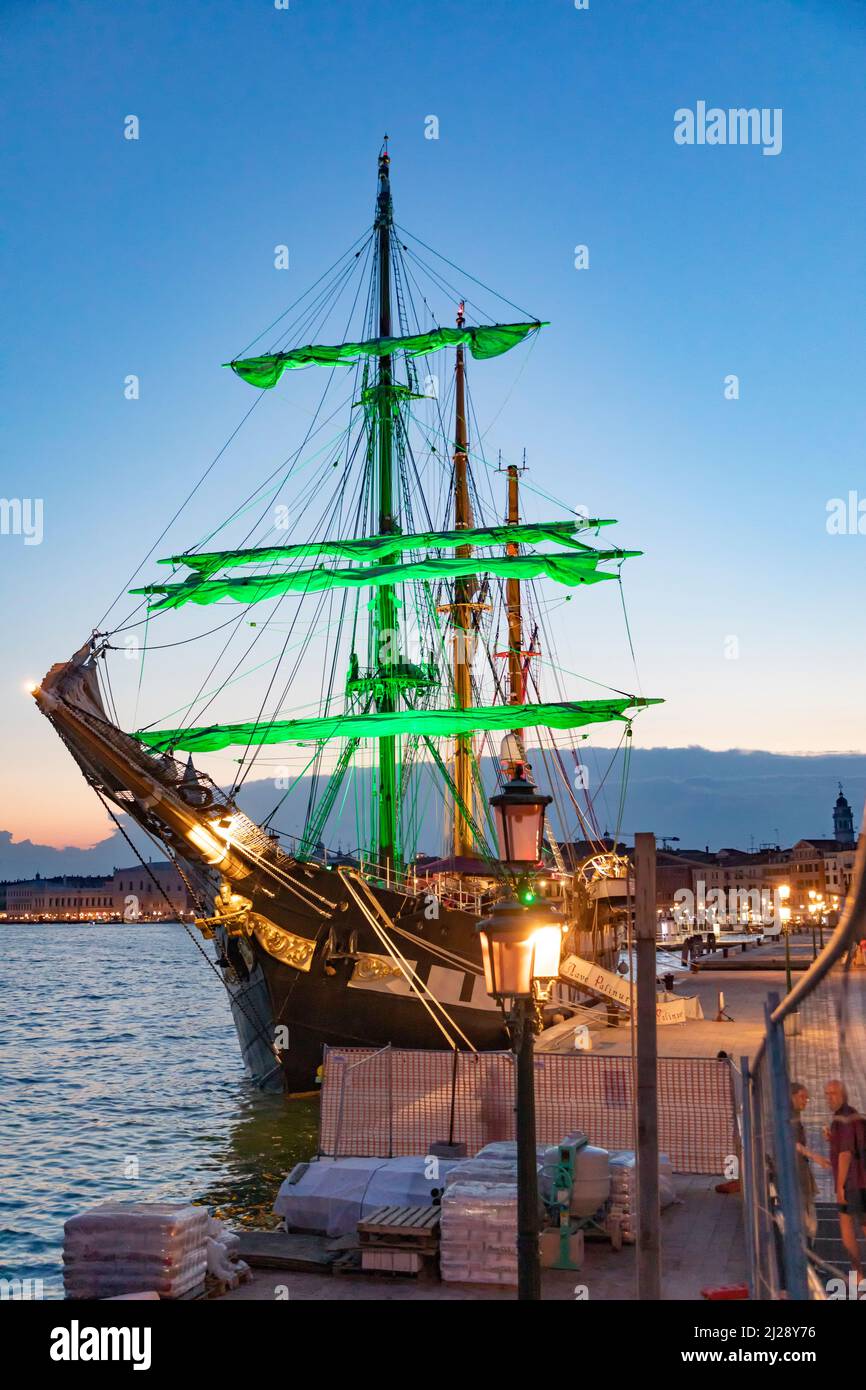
{"points": [[702, 1244], [701, 1234]]}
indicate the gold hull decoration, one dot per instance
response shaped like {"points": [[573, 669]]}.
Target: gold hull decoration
{"points": [[234, 914], [283, 945], [233, 923], [231, 912], [369, 967]]}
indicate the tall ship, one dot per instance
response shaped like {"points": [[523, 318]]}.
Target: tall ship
{"points": [[381, 616]]}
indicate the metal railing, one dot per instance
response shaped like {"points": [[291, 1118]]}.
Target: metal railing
{"points": [[798, 1234]]}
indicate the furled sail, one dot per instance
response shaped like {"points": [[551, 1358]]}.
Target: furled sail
{"points": [[431, 723], [375, 547], [484, 341], [570, 570]]}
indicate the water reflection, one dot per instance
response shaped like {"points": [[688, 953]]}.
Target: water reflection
{"points": [[122, 1079]]}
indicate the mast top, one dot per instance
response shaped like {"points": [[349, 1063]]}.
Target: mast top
{"points": [[384, 206]]}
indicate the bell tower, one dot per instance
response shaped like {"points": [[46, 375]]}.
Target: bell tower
{"points": [[843, 820]]}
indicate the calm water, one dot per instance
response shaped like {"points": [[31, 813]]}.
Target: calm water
{"points": [[117, 1055]]}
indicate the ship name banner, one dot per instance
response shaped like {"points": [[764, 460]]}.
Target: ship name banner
{"points": [[582, 972]]}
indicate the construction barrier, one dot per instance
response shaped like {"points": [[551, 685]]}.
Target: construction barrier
{"points": [[807, 1079], [396, 1102]]}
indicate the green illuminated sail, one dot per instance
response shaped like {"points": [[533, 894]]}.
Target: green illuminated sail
{"points": [[485, 341], [375, 547], [430, 723], [570, 570]]}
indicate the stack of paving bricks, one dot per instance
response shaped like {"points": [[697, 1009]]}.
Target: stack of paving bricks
{"points": [[479, 1233], [623, 1190], [136, 1247]]}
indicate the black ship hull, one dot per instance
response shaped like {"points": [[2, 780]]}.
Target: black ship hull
{"points": [[354, 992]]}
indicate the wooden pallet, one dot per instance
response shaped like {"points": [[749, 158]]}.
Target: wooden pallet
{"points": [[402, 1228]]}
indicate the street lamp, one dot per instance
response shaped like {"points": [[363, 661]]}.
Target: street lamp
{"points": [[785, 914], [520, 947], [519, 813], [521, 943]]}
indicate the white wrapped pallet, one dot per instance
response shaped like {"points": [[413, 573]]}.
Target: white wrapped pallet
{"points": [[132, 1247], [222, 1255], [332, 1195], [482, 1170], [478, 1233], [504, 1151], [623, 1189]]}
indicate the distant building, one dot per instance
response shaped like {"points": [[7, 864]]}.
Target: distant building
{"points": [[134, 892], [816, 871], [128, 894], [822, 869], [679, 869], [64, 896], [807, 872], [839, 870], [843, 820]]}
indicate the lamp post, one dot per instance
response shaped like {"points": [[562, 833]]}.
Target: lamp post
{"points": [[520, 947], [785, 914], [521, 943]]}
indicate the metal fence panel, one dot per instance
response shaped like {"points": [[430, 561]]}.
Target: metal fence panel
{"points": [[806, 1082], [394, 1102]]}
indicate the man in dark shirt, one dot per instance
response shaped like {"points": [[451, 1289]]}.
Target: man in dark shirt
{"points": [[799, 1101], [846, 1135]]}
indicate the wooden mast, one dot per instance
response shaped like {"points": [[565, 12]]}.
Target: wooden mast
{"points": [[512, 752], [462, 615], [516, 681]]}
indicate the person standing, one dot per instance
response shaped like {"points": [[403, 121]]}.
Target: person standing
{"points": [[846, 1135], [805, 1159]]}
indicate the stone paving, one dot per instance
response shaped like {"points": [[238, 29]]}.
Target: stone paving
{"points": [[702, 1246], [745, 995]]}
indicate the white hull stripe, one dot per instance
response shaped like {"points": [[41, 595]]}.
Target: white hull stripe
{"points": [[453, 988]]}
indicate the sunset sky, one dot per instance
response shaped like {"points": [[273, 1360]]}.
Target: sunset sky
{"points": [[260, 127]]}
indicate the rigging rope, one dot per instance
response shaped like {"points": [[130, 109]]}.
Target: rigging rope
{"points": [[164, 532], [364, 237], [460, 271], [256, 1024], [424, 993]]}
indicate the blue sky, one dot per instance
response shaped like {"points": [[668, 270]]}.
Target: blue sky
{"points": [[261, 127]]}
